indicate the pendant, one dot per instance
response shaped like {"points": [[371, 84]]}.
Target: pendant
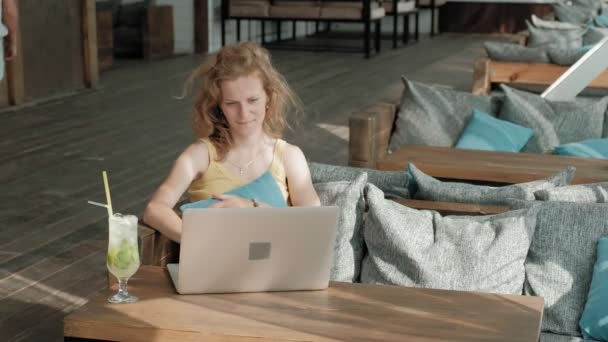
{"points": [[241, 172]]}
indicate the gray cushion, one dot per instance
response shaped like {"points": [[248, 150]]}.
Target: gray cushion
{"points": [[560, 262], [410, 247], [565, 56], [549, 337], [540, 23], [429, 188], [395, 184], [571, 14], [554, 123], [582, 193], [593, 7], [433, 115], [542, 37], [348, 250], [510, 52], [594, 35]]}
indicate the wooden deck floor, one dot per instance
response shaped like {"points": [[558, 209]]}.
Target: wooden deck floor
{"points": [[52, 244]]}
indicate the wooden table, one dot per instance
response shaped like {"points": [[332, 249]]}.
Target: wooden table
{"points": [[485, 166], [345, 311]]}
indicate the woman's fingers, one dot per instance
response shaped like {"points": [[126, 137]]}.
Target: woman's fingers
{"points": [[229, 201]]}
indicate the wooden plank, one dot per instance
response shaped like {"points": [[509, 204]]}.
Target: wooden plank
{"points": [[89, 43], [482, 84], [158, 32], [501, 167], [63, 291], [51, 66], [449, 208], [105, 39], [534, 74], [345, 311]]}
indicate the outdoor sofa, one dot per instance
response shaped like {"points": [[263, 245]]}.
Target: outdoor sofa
{"points": [[542, 242]]}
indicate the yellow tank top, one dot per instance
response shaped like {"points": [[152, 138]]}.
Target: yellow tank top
{"points": [[218, 180]]}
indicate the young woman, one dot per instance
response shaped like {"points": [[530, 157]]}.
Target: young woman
{"points": [[239, 118]]}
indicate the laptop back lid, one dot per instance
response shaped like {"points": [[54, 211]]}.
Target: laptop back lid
{"points": [[258, 249]]}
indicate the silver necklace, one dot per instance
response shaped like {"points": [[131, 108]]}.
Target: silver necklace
{"points": [[243, 169]]}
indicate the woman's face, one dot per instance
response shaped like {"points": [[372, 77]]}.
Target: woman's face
{"points": [[244, 104]]}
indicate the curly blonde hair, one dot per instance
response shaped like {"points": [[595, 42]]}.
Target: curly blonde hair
{"points": [[230, 63]]}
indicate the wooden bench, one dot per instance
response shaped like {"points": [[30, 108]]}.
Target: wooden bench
{"points": [[367, 12], [495, 167], [488, 73], [370, 132]]}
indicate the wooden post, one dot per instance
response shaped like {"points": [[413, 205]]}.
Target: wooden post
{"points": [[481, 77], [201, 39], [14, 73], [89, 38]]}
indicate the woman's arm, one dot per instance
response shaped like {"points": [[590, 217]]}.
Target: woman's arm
{"points": [[159, 212], [10, 17], [299, 182]]}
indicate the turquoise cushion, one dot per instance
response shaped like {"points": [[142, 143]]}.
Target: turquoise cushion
{"points": [[585, 48], [601, 20], [593, 148], [263, 189], [594, 322], [484, 132]]}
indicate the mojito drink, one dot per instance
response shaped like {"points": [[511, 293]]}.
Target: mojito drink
{"points": [[123, 254]]}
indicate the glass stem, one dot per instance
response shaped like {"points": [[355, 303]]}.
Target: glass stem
{"points": [[122, 287]]}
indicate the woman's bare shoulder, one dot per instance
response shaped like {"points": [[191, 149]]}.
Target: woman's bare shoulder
{"points": [[292, 151], [197, 155], [293, 157]]}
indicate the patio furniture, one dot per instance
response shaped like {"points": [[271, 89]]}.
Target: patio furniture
{"points": [[495, 167], [488, 73], [405, 9], [366, 12]]}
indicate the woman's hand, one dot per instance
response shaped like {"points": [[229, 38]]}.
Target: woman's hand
{"points": [[231, 201]]}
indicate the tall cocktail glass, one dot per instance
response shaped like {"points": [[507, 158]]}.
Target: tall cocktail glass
{"points": [[123, 254]]}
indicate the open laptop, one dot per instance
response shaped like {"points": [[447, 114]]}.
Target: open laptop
{"points": [[253, 250], [580, 74]]}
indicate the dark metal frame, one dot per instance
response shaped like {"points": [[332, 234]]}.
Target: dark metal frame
{"points": [[366, 20], [406, 24]]}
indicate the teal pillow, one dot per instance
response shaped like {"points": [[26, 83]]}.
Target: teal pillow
{"points": [[594, 321], [263, 189], [593, 148], [585, 48], [601, 20], [484, 132]]}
